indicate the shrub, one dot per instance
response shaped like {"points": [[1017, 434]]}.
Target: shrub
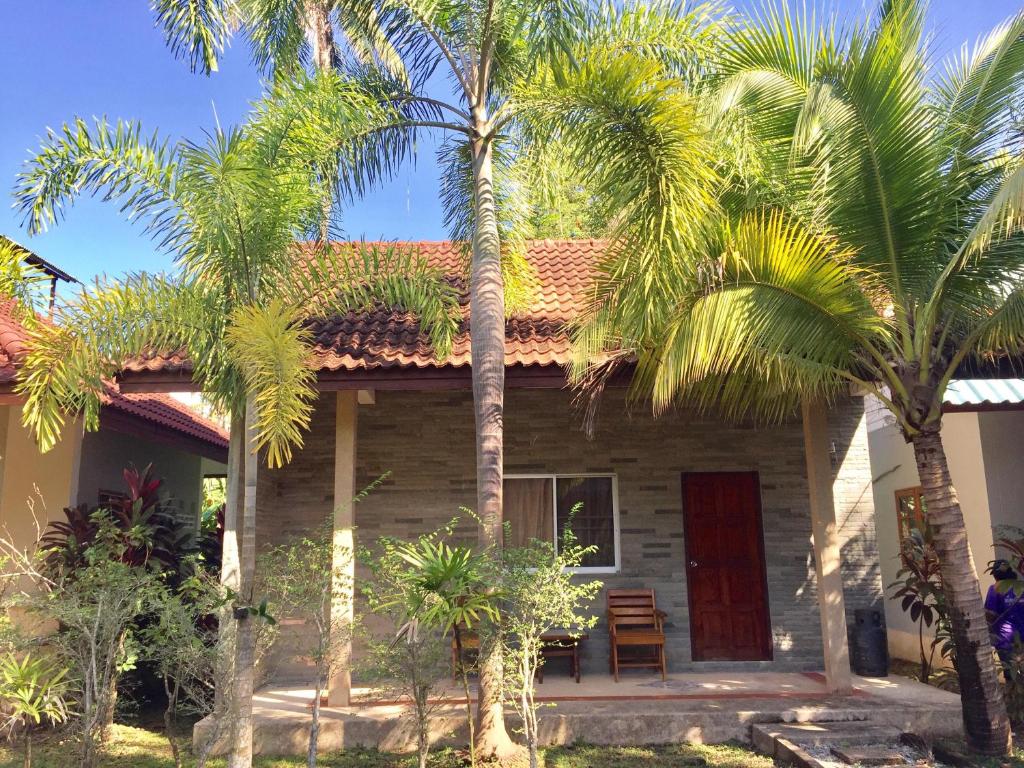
{"points": [[539, 594], [446, 590], [32, 691], [185, 648], [303, 578], [918, 587], [148, 534], [95, 606], [413, 663]]}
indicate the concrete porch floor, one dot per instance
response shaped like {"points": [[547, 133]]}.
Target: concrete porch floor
{"points": [[705, 707]]}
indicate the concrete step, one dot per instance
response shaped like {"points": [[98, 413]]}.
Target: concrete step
{"points": [[783, 740]]}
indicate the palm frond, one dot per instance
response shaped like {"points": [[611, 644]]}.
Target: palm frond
{"points": [[196, 30], [1002, 217], [70, 361], [354, 129], [639, 143], [780, 305], [784, 299], [114, 162], [277, 35], [362, 278], [975, 98], [684, 38], [271, 350], [278, 32], [1000, 332]]}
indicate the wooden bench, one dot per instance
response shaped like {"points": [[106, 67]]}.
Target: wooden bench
{"points": [[634, 622]]}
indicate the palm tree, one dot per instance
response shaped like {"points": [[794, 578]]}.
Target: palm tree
{"points": [[900, 262], [604, 82], [234, 311]]}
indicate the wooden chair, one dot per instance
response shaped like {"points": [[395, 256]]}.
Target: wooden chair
{"points": [[635, 622]]}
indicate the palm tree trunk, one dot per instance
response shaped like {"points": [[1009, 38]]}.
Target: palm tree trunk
{"points": [[320, 35], [245, 636], [487, 341], [230, 568], [985, 721]]}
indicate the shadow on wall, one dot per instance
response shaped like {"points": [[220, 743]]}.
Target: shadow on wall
{"points": [[855, 512]]}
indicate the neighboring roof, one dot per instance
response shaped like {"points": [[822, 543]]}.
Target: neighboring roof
{"points": [[159, 409], [166, 411], [537, 336], [38, 261], [972, 393], [12, 341]]}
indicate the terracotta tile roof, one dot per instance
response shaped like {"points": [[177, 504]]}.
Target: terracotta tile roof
{"points": [[159, 409], [166, 411], [12, 342], [377, 340]]}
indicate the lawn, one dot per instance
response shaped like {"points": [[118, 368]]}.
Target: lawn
{"points": [[139, 748]]}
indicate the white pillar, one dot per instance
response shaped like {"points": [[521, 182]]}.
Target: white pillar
{"points": [[339, 689], [827, 555]]}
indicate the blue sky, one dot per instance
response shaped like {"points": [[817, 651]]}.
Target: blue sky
{"points": [[62, 58]]}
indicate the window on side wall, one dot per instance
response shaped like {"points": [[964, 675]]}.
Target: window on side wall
{"points": [[910, 510], [541, 506]]}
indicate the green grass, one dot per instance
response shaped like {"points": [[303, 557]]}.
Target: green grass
{"points": [[140, 748]]}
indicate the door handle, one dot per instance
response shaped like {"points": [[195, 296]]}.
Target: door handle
{"points": [[693, 563]]}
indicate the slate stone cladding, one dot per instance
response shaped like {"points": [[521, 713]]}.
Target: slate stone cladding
{"points": [[425, 441]]}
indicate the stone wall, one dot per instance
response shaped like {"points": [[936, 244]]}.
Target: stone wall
{"points": [[425, 441]]}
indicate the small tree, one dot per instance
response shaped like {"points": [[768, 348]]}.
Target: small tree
{"points": [[447, 592], [184, 643], [32, 691], [305, 576], [539, 594], [95, 606], [414, 662]]}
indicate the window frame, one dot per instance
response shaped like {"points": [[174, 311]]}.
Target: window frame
{"points": [[554, 478], [915, 492]]}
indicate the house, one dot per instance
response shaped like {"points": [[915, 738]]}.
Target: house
{"points": [[734, 525], [86, 467], [54, 274], [982, 424]]}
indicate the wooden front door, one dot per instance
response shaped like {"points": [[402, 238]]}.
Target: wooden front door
{"points": [[725, 566]]}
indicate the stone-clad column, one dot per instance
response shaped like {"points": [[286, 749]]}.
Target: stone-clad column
{"points": [[827, 558], [339, 688]]}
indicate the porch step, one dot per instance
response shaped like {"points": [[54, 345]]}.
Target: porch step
{"points": [[786, 741]]}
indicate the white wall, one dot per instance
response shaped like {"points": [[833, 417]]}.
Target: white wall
{"points": [[1002, 434], [892, 468]]}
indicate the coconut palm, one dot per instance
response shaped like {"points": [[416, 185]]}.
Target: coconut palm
{"points": [[902, 264], [604, 83], [234, 312]]}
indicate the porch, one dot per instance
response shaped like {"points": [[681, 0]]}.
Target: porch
{"points": [[758, 541], [697, 707]]}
